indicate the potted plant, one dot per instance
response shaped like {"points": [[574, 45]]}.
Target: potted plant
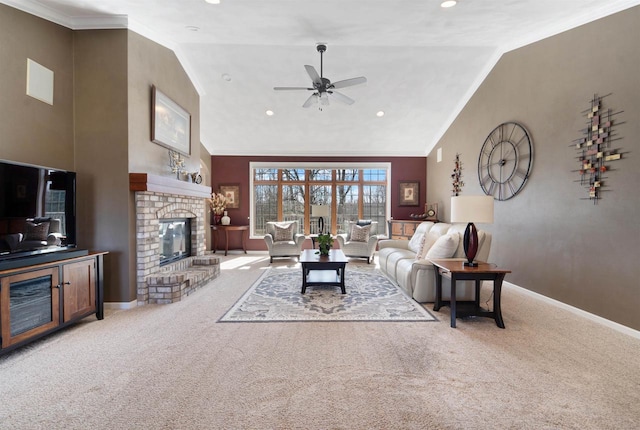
{"points": [[325, 241]]}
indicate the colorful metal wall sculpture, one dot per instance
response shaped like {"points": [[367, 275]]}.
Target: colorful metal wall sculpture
{"points": [[595, 148]]}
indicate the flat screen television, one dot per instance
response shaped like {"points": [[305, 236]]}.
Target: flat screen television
{"points": [[37, 210]]}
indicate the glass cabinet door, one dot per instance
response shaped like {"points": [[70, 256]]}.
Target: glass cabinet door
{"points": [[29, 304]]}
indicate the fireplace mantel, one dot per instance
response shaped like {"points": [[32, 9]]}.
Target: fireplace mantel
{"points": [[164, 184]]}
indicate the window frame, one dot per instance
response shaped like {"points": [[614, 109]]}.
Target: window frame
{"points": [[253, 165]]}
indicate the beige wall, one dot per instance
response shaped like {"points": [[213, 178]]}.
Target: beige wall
{"points": [[101, 103], [152, 64], [33, 131], [556, 244], [102, 88]]}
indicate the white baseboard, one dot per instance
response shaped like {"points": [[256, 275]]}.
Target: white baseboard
{"points": [[611, 324], [120, 306]]}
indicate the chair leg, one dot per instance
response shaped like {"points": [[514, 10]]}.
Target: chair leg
{"points": [[271, 260]]}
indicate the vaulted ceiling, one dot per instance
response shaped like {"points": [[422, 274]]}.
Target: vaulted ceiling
{"points": [[422, 62]]}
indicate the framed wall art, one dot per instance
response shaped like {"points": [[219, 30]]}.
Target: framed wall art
{"points": [[170, 123], [232, 193], [409, 193]]}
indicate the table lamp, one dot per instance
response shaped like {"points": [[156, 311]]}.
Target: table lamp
{"points": [[471, 209], [320, 211]]}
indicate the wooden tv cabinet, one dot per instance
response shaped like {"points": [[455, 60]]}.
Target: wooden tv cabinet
{"points": [[38, 299]]}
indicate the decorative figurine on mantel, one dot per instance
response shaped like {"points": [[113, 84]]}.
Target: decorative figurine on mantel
{"points": [[456, 175], [176, 162]]}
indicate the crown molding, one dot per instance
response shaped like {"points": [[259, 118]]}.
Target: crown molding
{"points": [[74, 23]]}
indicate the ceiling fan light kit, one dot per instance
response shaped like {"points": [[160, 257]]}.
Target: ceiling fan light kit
{"points": [[323, 89]]}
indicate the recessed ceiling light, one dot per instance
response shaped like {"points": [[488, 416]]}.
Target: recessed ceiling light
{"points": [[269, 112], [192, 28], [380, 113], [448, 3], [226, 77], [213, 1]]}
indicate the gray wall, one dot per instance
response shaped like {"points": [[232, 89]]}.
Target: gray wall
{"points": [[556, 244]]}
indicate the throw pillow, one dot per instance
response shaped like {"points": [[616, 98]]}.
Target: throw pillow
{"points": [[427, 242], [284, 232], [360, 233], [415, 241], [444, 247], [38, 231]]}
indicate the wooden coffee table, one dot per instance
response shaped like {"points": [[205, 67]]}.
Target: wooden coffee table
{"points": [[320, 270], [459, 272]]}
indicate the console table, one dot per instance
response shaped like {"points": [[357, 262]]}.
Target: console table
{"points": [[243, 229], [459, 272]]}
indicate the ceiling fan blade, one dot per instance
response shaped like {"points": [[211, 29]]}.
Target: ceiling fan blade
{"points": [[310, 100], [315, 77], [349, 82], [342, 97], [291, 88]]}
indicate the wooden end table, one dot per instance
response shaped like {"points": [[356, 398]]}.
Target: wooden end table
{"points": [[243, 229], [459, 272], [327, 270]]}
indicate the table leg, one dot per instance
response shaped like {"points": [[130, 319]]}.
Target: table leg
{"points": [[226, 241], [245, 233], [215, 240], [497, 290], [304, 278], [438, 302], [478, 284], [452, 305], [342, 287]]}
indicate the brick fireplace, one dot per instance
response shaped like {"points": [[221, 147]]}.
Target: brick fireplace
{"points": [[159, 198]]}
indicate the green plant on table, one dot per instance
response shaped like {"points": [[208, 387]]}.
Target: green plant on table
{"points": [[325, 241]]}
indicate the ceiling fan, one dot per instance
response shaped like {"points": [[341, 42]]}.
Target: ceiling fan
{"points": [[323, 89]]}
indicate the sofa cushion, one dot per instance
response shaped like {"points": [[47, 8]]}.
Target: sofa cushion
{"points": [[360, 233], [284, 232], [444, 247], [38, 231]]}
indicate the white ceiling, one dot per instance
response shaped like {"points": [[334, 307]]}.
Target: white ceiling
{"points": [[422, 62]]}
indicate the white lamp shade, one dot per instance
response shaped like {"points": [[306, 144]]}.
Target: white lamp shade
{"points": [[476, 209], [320, 211]]}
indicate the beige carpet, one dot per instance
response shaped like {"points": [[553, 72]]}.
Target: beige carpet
{"points": [[175, 367]]}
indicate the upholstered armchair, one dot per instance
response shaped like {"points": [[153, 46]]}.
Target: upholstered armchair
{"points": [[283, 239], [360, 240]]}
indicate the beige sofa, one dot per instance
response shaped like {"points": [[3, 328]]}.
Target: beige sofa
{"points": [[397, 259]]}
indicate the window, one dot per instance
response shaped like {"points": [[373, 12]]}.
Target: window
{"points": [[347, 192]]}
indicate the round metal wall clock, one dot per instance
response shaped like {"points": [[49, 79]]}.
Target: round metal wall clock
{"points": [[505, 161]]}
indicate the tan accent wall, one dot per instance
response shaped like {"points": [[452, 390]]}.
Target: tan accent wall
{"points": [[152, 64], [33, 131], [99, 124], [101, 106], [555, 243]]}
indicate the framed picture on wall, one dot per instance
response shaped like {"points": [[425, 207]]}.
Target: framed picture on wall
{"points": [[170, 123], [409, 193], [232, 193]]}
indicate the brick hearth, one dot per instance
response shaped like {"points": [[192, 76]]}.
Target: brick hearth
{"points": [[162, 198]]}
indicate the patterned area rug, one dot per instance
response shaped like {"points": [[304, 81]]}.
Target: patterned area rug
{"points": [[276, 296]]}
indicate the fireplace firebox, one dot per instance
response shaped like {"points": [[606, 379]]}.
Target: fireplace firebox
{"points": [[175, 240]]}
